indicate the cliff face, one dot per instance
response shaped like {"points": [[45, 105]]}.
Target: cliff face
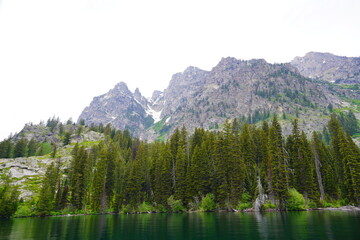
{"points": [[233, 88], [122, 109], [329, 67]]}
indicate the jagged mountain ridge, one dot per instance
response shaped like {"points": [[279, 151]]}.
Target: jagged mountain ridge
{"points": [[329, 67], [199, 98], [123, 109]]}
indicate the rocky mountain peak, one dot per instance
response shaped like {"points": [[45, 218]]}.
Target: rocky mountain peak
{"points": [[121, 87], [137, 93], [192, 70], [191, 75], [329, 67], [226, 64], [121, 108], [231, 89], [155, 95]]}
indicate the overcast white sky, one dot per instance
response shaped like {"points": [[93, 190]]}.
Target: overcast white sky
{"points": [[55, 56]]}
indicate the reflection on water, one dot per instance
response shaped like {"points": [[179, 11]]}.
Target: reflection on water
{"points": [[272, 225]]}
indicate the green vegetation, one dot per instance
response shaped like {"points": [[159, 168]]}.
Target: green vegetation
{"points": [[245, 202], [9, 197], [159, 125], [208, 203], [268, 205], [205, 171], [162, 129], [296, 201], [351, 86], [175, 205]]}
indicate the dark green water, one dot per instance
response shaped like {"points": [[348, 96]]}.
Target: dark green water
{"points": [[293, 225]]}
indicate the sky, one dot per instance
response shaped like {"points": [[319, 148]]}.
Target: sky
{"points": [[55, 56]]}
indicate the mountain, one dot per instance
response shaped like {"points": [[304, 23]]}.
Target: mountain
{"points": [[252, 89], [123, 109], [329, 67]]}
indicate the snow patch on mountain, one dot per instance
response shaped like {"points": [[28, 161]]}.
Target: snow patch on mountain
{"points": [[156, 115]]}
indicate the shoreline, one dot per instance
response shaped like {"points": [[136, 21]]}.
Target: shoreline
{"points": [[343, 208]]}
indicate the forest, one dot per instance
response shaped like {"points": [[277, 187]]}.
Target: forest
{"points": [[206, 171]]}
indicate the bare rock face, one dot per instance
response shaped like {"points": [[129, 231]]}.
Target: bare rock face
{"points": [[121, 108], [329, 67], [233, 88], [27, 171]]}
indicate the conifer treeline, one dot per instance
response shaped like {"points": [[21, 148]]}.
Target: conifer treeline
{"points": [[124, 172]]}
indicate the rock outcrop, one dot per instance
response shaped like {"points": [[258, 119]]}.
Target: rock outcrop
{"points": [[329, 67], [122, 109]]}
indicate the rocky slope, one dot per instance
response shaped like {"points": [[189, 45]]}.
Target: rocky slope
{"points": [[233, 88], [28, 172], [329, 67], [123, 109]]}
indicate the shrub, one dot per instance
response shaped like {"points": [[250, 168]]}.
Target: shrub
{"points": [[194, 205], [145, 207], [9, 197], [67, 210], [296, 201], [334, 204], [242, 206], [160, 208], [311, 204], [126, 209], [268, 205], [55, 213], [175, 205], [245, 202], [208, 203], [245, 198], [24, 210]]}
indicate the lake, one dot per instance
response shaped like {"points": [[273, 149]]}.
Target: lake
{"points": [[271, 225]]}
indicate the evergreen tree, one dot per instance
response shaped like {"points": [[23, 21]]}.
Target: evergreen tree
{"points": [[307, 177], [67, 138], [174, 145], [61, 129], [111, 158], [247, 149], [278, 184], [32, 147], [78, 179], [263, 149], [338, 144], [180, 172], [9, 197], [62, 194], [199, 172], [293, 144], [54, 150], [327, 168], [21, 149], [98, 196], [351, 163], [46, 202], [163, 178], [301, 163], [119, 181], [318, 157], [351, 124], [137, 184], [220, 183], [6, 149], [235, 165]]}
